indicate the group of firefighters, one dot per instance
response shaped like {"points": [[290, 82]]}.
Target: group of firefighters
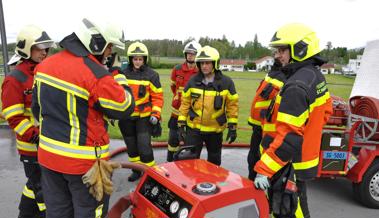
{"points": [[60, 107]]}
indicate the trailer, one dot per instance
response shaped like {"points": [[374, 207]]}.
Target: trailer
{"points": [[352, 151]]}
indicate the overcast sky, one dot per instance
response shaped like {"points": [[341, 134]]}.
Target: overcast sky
{"points": [[346, 23]]}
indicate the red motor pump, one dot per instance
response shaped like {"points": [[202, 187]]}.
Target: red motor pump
{"points": [[340, 112], [194, 188]]}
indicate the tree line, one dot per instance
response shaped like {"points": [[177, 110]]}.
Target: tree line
{"points": [[251, 51]]}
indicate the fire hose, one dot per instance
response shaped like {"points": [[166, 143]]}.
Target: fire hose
{"points": [[126, 201], [366, 107]]}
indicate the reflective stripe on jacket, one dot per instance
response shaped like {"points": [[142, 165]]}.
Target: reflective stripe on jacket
{"points": [[301, 110], [16, 100], [147, 91], [72, 95], [199, 108], [180, 75], [267, 90]]}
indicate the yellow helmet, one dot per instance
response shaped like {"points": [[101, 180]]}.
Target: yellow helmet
{"points": [[302, 41], [208, 53], [97, 36], [137, 49], [32, 35]]}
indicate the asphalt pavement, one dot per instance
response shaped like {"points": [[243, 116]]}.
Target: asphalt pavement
{"points": [[327, 198]]}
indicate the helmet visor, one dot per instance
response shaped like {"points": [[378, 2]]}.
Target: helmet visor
{"points": [[14, 59], [45, 45], [191, 51]]}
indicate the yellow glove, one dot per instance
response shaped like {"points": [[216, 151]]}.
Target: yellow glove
{"points": [[98, 178]]}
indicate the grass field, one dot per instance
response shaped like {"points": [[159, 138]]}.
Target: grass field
{"points": [[246, 84]]}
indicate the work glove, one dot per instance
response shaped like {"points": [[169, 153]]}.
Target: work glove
{"points": [[181, 131], [153, 120], [98, 178], [232, 133], [261, 182], [156, 130]]}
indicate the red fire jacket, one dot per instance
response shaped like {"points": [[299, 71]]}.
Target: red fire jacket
{"points": [[180, 75], [73, 92], [16, 99]]}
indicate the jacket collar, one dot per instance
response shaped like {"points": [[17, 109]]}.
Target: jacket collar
{"points": [[27, 66], [186, 69], [291, 68], [74, 45], [200, 76]]}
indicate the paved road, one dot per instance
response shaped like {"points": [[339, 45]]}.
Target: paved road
{"points": [[327, 198]]}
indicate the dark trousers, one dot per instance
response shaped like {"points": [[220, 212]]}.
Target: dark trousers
{"points": [[302, 192], [212, 141], [254, 153], [137, 137], [67, 197], [173, 137], [31, 203]]}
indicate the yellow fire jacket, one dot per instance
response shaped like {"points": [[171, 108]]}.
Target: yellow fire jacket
{"points": [[209, 107]]}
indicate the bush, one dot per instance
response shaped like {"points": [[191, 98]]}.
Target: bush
{"points": [[250, 66], [162, 65]]}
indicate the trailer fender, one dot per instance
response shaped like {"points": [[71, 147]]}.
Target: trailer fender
{"points": [[365, 159]]}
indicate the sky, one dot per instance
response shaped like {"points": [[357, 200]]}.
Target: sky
{"points": [[345, 23]]}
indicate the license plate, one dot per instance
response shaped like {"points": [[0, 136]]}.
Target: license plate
{"points": [[335, 155]]}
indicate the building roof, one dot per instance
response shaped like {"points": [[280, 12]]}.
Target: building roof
{"points": [[232, 62], [327, 66], [260, 60]]}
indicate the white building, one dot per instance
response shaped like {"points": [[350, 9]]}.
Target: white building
{"points": [[264, 63], [232, 65], [327, 68], [353, 66]]}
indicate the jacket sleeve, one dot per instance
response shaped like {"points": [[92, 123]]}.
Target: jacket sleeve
{"points": [[12, 98], [113, 99], [232, 104], [253, 110], [173, 81], [185, 103], [292, 116], [156, 96]]}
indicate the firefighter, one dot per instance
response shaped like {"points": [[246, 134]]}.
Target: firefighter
{"points": [[145, 120], [266, 92], [73, 92], [300, 111], [179, 78], [209, 105], [32, 46]]}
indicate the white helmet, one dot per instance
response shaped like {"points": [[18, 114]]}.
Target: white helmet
{"points": [[32, 35], [192, 47], [96, 37]]}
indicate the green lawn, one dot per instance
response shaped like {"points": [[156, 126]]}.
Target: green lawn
{"points": [[246, 84]]}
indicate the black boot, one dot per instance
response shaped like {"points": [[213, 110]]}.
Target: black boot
{"points": [[134, 176], [170, 156]]}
